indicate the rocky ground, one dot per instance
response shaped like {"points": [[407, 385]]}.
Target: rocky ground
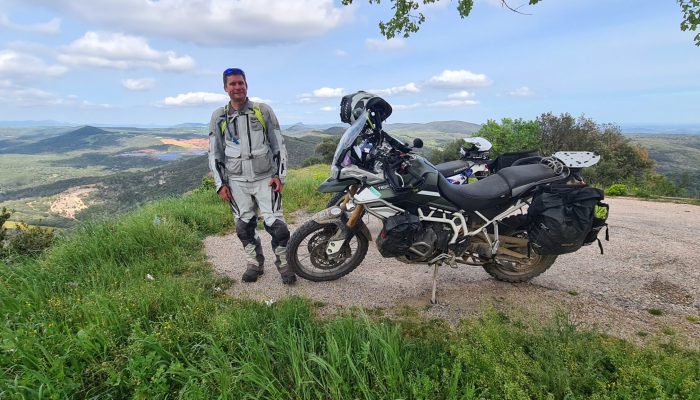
{"points": [[645, 287]]}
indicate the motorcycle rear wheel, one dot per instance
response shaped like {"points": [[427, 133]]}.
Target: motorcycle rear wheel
{"points": [[511, 271], [306, 253]]}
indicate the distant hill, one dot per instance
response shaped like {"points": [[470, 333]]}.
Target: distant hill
{"points": [[85, 138], [300, 148], [433, 133], [189, 125], [676, 156], [31, 124]]}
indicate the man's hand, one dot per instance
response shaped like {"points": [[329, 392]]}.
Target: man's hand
{"points": [[276, 184], [225, 193]]}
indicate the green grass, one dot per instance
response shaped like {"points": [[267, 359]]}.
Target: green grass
{"points": [[300, 191], [84, 321]]}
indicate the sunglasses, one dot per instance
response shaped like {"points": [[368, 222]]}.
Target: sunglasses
{"points": [[233, 71]]}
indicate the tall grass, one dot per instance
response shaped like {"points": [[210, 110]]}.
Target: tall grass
{"points": [[128, 308], [300, 192]]}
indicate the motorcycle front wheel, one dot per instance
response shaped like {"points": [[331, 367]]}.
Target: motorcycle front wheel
{"points": [[306, 252], [336, 200]]}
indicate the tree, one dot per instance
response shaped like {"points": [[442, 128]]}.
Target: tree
{"points": [[621, 159], [407, 21], [450, 152], [326, 149], [511, 135], [691, 17]]}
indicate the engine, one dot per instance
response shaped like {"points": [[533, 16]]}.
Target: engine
{"points": [[406, 237]]}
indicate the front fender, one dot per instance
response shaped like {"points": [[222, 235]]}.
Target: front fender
{"points": [[336, 185], [334, 215]]}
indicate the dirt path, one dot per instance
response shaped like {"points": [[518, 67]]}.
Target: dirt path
{"points": [[70, 201], [650, 263]]}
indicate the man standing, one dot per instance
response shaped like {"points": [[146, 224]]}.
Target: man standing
{"points": [[248, 159]]}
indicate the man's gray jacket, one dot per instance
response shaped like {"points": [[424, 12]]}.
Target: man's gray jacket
{"points": [[241, 150]]}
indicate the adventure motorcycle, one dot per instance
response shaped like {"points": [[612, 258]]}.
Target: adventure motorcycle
{"points": [[425, 219], [474, 162]]}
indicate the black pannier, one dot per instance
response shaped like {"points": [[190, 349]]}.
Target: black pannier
{"points": [[398, 235], [600, 217], [561, 217]]}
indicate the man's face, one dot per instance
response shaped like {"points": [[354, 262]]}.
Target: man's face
{"points": [[236, 88]]}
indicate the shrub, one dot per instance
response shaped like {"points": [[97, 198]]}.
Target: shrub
{"points": [[313, 160], [29, 241], [617, 189]]}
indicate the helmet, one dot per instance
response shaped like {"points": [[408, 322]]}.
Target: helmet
{"points": [[352, 105]]}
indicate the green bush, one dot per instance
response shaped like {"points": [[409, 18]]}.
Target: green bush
{"points": [[617, 189], [313, 160]]}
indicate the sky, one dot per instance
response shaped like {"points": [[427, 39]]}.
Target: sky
{"points": [[159, 62]]}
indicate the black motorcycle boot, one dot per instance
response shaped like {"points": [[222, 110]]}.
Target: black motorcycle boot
{"points": [[259, 257], [252, 273], [286, 273]]}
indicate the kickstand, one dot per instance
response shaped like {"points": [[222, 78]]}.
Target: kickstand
{"points": [[435, 273]]}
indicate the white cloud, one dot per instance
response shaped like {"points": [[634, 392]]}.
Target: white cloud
{"points": [[406, 106], [328, 92], [20, 66], [117, 50], [408, 88], [522, 91], [260, 100], [191, 99], [393, 44], [322, 93], [139, 84], [22, 96], [196, 99], [459, 78], [328, 109], [242, 23], [52, 27], [454, 103], [463, 94], [340, 53]]}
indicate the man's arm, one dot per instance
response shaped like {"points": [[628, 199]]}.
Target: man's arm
{"points": [[217, 156], [274, 135]]}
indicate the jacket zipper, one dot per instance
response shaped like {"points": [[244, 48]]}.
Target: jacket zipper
{"points": [[250, 143]]}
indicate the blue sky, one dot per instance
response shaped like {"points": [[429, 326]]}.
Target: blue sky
{"points": [[159, 62]]}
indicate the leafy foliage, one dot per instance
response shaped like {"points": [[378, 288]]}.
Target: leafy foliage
{"points": [[449, 152], [510, 135], [691, 17], [617, 189], [621, 159], [326, 149], [407, 20], [5, 215], [24, 241], [311, 161]]}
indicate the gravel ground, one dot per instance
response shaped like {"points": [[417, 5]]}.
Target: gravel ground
{"points": [[649, 264]]}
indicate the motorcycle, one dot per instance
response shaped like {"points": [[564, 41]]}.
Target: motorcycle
{"points": [[426, 219], [474, 162]]}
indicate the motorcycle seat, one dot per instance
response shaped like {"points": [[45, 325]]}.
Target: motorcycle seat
{"points": [[451, 168], [496, 189]]}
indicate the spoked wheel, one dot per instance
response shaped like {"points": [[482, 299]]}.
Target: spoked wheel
{"points": [[306, 252], [520, 270]]}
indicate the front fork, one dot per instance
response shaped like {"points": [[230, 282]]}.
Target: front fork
{"points": [[347, 228]]}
